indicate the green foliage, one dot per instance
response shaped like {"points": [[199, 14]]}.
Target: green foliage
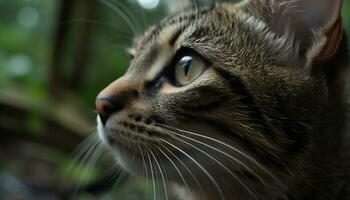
{"points": [[27, 32]]}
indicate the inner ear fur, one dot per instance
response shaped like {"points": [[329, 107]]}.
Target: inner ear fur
{"points": [[334, 36], [315, 25]]}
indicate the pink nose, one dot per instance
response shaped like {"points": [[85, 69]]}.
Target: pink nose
{"points": [[108, 105], [114, 97]]}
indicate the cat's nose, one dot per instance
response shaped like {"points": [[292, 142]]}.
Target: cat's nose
{"points": [[107, 105], [114, 98]]}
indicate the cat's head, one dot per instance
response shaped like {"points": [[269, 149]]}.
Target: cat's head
{"points": [[224, 93]]}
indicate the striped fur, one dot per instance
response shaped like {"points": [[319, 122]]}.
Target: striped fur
{"points": [[265, 120]]}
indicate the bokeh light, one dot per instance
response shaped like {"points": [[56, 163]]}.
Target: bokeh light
{"points": [[19, 65], [28, 16], [149, 4]]}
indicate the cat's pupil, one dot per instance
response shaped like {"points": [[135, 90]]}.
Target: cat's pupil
{"points": [[185, 63]]}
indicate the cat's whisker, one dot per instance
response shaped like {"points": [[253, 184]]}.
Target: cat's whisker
{"points": [[152, 174], [176, 168], [87, 160], [119, 172], [222, 196], [200, 187], [82, 154], [145, 169], [94, 22], [113, 47], [133, 154], [118, 177], [240, 81], [95, 155], [122, 37], [228, 146], [146, 22], [161, 173], [221, 165], [165, 175], [84, 146], [127, 12], [222, 152], [122, 14]]}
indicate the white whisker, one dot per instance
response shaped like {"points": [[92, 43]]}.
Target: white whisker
{"points": [[188, 170], [224, 153], [222, 196], [176, 168], [221, 165], [121, 14], [161, 173], [88, 160], [144, 169], [127, 12], [152, 174], [228, 146]]}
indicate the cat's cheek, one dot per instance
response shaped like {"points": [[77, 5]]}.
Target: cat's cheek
{"points": [[100, 130]]}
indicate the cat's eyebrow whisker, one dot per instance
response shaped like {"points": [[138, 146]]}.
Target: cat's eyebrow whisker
{"points": [[221, 165], [200, 187], [122, 14], [131, 17], [112, 47], [161, 173], [145, 23], [228, 146], [95, 22], [124, 37], [211, 178]]}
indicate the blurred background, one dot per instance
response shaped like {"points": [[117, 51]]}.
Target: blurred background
{"points": [[55, 56]]}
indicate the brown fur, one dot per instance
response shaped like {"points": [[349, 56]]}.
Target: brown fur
{"points": [[273, 91]]}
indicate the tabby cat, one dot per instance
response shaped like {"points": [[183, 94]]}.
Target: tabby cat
{"points": [[236, 101]]}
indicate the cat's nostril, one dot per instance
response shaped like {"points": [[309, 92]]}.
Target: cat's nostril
{"points": [[106, 106]]}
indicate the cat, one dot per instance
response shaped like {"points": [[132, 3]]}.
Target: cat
{"points": [[236, 101]]}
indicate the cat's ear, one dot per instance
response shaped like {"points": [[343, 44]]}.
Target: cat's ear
{"points": [[316, 25]]}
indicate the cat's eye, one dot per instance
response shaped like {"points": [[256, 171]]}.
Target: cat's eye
{"points": [[188, 69]]}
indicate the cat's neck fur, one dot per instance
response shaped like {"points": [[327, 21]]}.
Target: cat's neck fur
{"points": [[329, 172]]}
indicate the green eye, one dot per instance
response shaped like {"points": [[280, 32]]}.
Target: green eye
{"points": [[188, 69]]}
